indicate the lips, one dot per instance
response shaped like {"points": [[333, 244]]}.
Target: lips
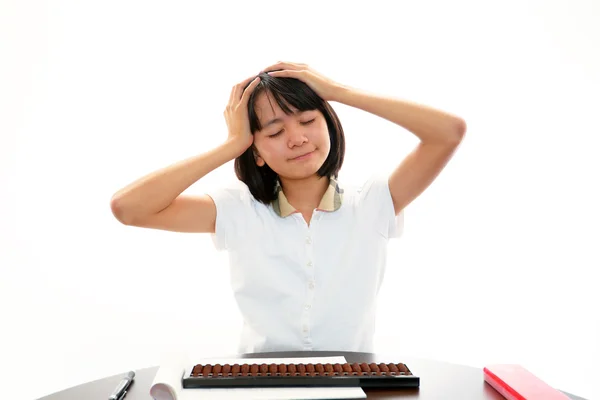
{"points": [[302, 155]]}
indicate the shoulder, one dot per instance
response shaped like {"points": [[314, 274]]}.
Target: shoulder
{"points": [[234, 198], [237, 212], [370, 200], [232, 191], [374, 184]]}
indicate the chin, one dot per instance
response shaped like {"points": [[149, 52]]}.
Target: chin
{"points": [[302, 172]]}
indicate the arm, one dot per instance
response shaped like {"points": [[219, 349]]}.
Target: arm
{"points": [[440, 134], [155, 200]]}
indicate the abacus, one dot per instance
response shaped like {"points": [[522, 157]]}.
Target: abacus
{"points": [[363, 374]]}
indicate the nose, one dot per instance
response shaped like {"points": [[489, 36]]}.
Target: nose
{"points": [[296, 138]]}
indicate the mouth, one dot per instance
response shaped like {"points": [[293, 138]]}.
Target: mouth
{"points": [[303, 156]]}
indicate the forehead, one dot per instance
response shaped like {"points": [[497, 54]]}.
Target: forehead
{"points": [[266, 107]]}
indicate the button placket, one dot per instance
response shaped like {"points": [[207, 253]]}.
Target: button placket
{"points": [[308, 246], [307, 307]]}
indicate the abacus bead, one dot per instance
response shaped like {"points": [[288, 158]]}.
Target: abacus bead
{"points": [[216, 369]]}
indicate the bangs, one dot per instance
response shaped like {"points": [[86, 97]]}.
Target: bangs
{"points": [[288, 93]]}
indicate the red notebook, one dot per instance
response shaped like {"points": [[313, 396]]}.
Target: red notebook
{"points": [[516, 383]]}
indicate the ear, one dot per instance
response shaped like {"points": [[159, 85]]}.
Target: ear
{"points": [[257, 158]]}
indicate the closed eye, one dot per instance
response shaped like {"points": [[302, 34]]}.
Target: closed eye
{"points": [[303, 123]]}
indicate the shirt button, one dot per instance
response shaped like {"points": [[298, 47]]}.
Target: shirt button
{"points": [[309, 264], [311, 285], [305, 329], [307, 306], [308, 241]]}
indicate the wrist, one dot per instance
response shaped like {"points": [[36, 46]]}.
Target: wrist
{"points": [[340, 92], [235, 147]]}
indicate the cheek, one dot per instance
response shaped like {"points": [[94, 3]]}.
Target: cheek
{"points": [[322, 136], [269, 148]]}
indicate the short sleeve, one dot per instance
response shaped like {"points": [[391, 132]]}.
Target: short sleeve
{"points": [[376, 204], [234, 206]]}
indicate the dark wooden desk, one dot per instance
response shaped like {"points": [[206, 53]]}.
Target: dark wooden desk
{"points": [[439, 380]]}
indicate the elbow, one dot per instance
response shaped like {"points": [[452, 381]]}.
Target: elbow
{"points": [[461, 128], [119, 212], [456, 134]]}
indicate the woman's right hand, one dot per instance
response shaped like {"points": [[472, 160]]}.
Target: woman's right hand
{"points": [[236, 114]]}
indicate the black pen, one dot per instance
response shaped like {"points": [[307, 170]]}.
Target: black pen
{"points": [[121, 389]]}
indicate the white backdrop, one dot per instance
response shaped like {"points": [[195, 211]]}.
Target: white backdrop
{"points": [[499, 258]]}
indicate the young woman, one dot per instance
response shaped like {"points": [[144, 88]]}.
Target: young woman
{"points": [[307, 253]]}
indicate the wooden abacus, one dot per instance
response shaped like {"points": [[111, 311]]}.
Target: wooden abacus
{"points": [[379, 375]]}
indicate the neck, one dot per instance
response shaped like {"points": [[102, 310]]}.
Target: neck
{"points": [[305, 193]]}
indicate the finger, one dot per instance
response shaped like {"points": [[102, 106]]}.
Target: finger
{"points": [[231, 95], [243, 85], [247, 80], [281, 65], [288, 67], [271, 67], [249, 89], [293, 65], [238, 89], [286, 73]]}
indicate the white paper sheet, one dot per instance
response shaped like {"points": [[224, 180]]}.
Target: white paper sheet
{"points": [[167, 384]]}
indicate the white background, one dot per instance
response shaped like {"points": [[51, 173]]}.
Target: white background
{"points": [[499, 260]]}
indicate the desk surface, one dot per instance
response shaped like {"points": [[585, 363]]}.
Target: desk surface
{"points": [[438, 380]]}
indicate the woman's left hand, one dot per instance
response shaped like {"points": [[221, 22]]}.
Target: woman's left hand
{"points": [[325, 88]]}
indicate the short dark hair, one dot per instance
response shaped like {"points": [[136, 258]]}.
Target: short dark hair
{"points": [[262, 180]]}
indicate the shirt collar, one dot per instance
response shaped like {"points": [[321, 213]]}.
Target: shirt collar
{"points": [[331, 201]]}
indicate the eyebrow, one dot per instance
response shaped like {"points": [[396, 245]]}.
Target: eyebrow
{"points": [[276, 120]]}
